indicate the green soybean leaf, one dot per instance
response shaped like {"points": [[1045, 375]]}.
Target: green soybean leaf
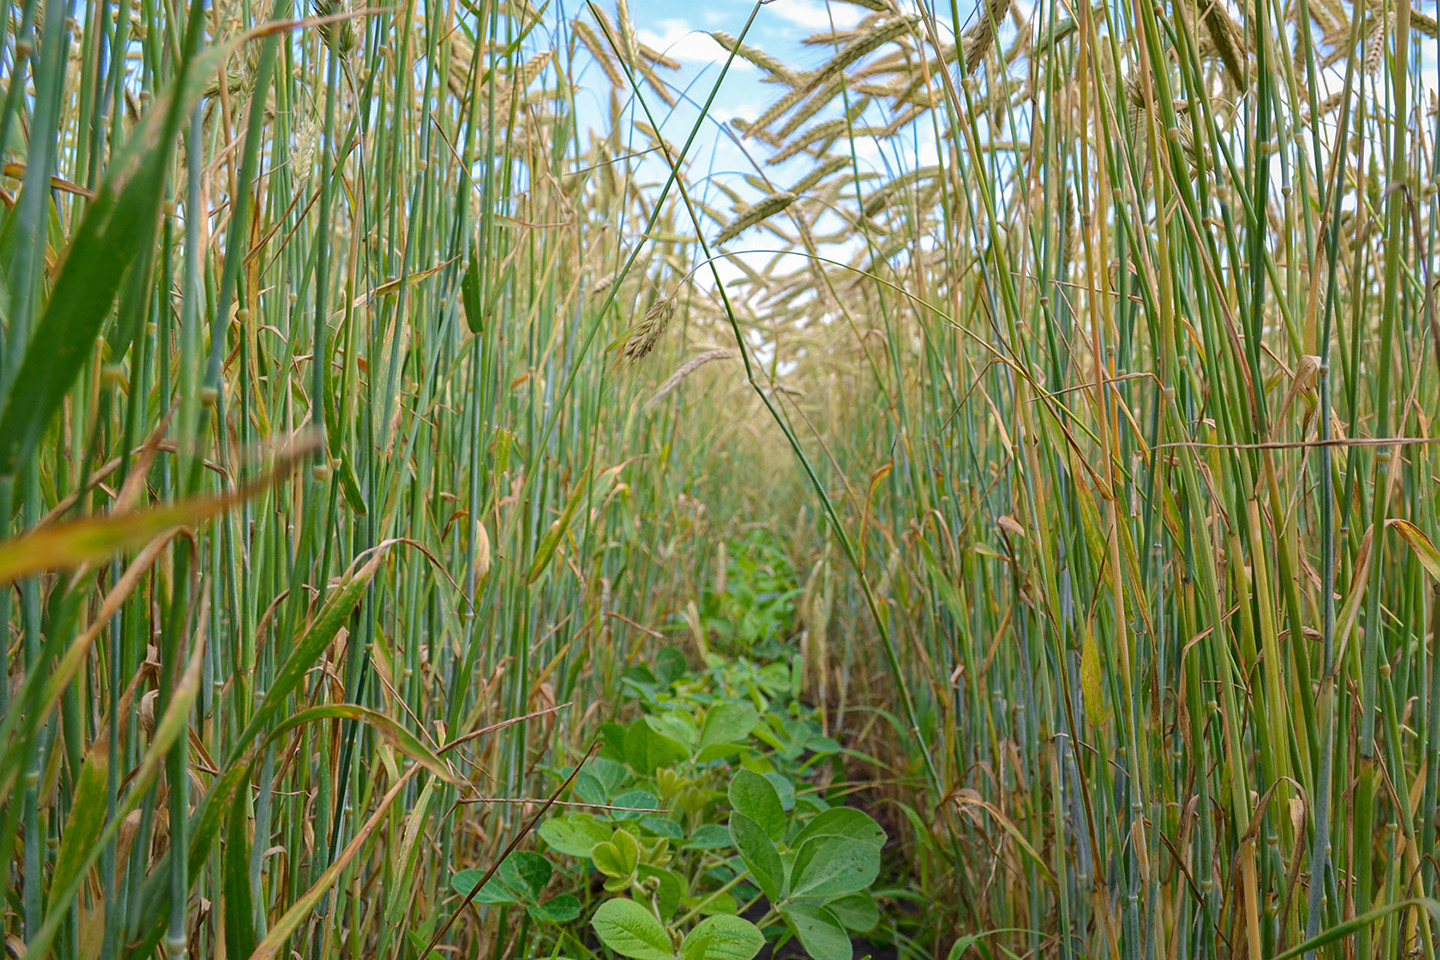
{"points": [[575, 834], [710, 836], [784, 789], [711, 904], [631, 931], [618, 856], [821, 745], [819, 931], [722, 938], [756, 798], [671, 890], [670, 665], [494, 891], [842, 822], [759, 853], [718, 751], [647, 750], [727, 723], [637, 800], [526, 873], [857, 911], [831, 866], [561, 909], [589, 788], [677, 727], [663, 827], [612, 775]]}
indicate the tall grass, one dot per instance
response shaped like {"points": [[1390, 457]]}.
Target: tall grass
{"points": [[1155, 352], [351, 438], [356, 272]]}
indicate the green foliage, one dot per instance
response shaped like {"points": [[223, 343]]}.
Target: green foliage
{"points": [[752, 606], [733, 816], [735, 819], [521, 880], [1074, 450]]}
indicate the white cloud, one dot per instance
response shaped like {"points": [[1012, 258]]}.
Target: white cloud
{"points": [[813, 14], [676, 38], [742, 110]]}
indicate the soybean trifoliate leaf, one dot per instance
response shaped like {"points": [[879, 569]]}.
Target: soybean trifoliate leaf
{"points": [[631, 931], [675, 726], [727, 723], [842, 822], [494, 891], [759, 853], [589, 788], [618, 856], [561, 909], [670, 665], [784, 789], [756, 797], [663, 826], [819, 931], [635, 803], [831, 866], [670, 889], [526, 873], [857, 911], [722, 938], [611, 774], [711, 836], [574, 835], [647, 750]]}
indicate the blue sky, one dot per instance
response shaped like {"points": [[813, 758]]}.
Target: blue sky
{"points": [[682, 30]]}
